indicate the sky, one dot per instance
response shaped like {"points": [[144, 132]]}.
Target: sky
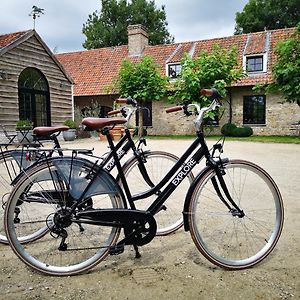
{"points": [[61, 24]]}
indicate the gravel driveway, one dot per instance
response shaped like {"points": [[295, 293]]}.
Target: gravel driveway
{"points": [[171, 267]]}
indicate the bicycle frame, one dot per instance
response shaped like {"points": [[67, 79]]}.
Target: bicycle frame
{"points": [[181, 168]]}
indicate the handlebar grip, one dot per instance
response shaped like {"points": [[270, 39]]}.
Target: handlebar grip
{"points": [[113, 112], [207, 92], [128, 101], [121, 100], [214, 93], [174, 108]]}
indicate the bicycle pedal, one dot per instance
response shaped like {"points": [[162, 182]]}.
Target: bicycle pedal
{"points": [[116, 250]]}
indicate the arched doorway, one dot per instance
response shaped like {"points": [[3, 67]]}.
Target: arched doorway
{"points": [[34, 97]]}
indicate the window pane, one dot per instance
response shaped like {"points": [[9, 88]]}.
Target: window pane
{"points": [[254, 110], [41, 110], [174, 70], [147, 115], [31, 78], [25, 107], [254, 64], [34, 97]]}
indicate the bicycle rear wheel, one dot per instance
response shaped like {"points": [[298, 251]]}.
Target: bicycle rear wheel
{"points": [[158, 163], [43, 201], [223, 237]]}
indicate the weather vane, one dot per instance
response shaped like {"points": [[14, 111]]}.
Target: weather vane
{"points": [[35, 13]]}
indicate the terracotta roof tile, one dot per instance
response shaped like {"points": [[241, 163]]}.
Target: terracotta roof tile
{"points": [[94, 70], [256, 43], [7, 39]]}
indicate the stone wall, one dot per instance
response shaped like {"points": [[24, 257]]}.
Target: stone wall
{"points": [[279, 113], [279, 116], [177, 123]]}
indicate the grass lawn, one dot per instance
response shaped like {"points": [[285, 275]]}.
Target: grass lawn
{"points": [[260, 139]]}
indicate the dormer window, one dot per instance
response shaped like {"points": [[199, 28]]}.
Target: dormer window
{"points": [[254, 64], [174, 70]]}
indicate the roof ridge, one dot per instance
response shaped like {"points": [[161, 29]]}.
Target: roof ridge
{"points": [[92, 50], [11, 33]]}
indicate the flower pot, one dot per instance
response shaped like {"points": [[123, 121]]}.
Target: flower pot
{"points": [[69, 135], [116, 132]]}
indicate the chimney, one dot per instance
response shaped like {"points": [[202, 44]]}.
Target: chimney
{"points": [[137, 40]]}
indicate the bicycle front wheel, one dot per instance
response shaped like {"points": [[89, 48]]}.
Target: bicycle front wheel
{"points": [[226, 239], [39, 207], [158, 163]]}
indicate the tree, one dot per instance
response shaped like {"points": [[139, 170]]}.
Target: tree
{"points": [[286, 70], [217, 68], [141, 81], [109, 27], [259, 15]]}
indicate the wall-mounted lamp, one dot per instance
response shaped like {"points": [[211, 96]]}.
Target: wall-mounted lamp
{"points": [[3, 75]]}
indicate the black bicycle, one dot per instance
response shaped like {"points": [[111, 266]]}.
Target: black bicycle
{"points": [[14, 162], [233, 209], [142, 170]]}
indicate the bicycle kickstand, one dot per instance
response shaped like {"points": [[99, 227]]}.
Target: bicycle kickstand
{"points": [[137, 253]]}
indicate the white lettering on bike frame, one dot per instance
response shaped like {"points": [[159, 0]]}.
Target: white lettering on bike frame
{"points": [[184, 171], [109, 166]]}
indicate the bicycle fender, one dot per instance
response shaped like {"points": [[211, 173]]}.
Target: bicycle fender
{"points": [[103, 183], [190, 192]]}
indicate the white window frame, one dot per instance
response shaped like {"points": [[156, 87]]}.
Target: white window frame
{"points": [[167, 69], [265, 63]]}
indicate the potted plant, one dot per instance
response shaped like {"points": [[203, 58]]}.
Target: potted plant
{"points": [[70, 134], [24, 131], [93, 110]]}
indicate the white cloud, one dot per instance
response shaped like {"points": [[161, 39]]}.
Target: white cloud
{"points": [[61, 25]]}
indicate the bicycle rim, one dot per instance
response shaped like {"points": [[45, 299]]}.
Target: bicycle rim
{"points": [[9, 169], [158, 163], [86, 245], [222, 237]]}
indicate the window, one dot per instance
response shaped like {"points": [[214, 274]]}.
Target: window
{"points": [[34, 97], [254, 64], [147, 115], [254, 110], [174, 70]]}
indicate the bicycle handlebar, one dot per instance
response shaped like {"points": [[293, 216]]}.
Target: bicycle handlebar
{"points": [[174, 108], [114, 112], [128, 101], [214, 93], [199, 112]]}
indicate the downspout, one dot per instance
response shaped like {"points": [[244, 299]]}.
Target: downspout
{"points": [[73, 104], [230, 105]]}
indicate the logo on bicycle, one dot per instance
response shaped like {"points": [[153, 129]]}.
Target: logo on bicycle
{"points": [[184, 171], [111, 163]]}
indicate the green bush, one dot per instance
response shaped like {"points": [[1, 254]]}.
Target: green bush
{"points": [[227, 129], [24, 123], [244, 131], [70, 123], [230, 129]]}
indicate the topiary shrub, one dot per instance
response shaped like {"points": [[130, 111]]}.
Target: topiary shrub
{"points": [[227, 129], [230, 129], [244, 131]]}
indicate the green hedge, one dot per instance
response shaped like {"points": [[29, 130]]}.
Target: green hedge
{"points": [[230, 129]]}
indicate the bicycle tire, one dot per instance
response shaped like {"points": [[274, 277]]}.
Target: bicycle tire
{"points": [[158, 163], [10, 167], [225, 239], [87, 244]]}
